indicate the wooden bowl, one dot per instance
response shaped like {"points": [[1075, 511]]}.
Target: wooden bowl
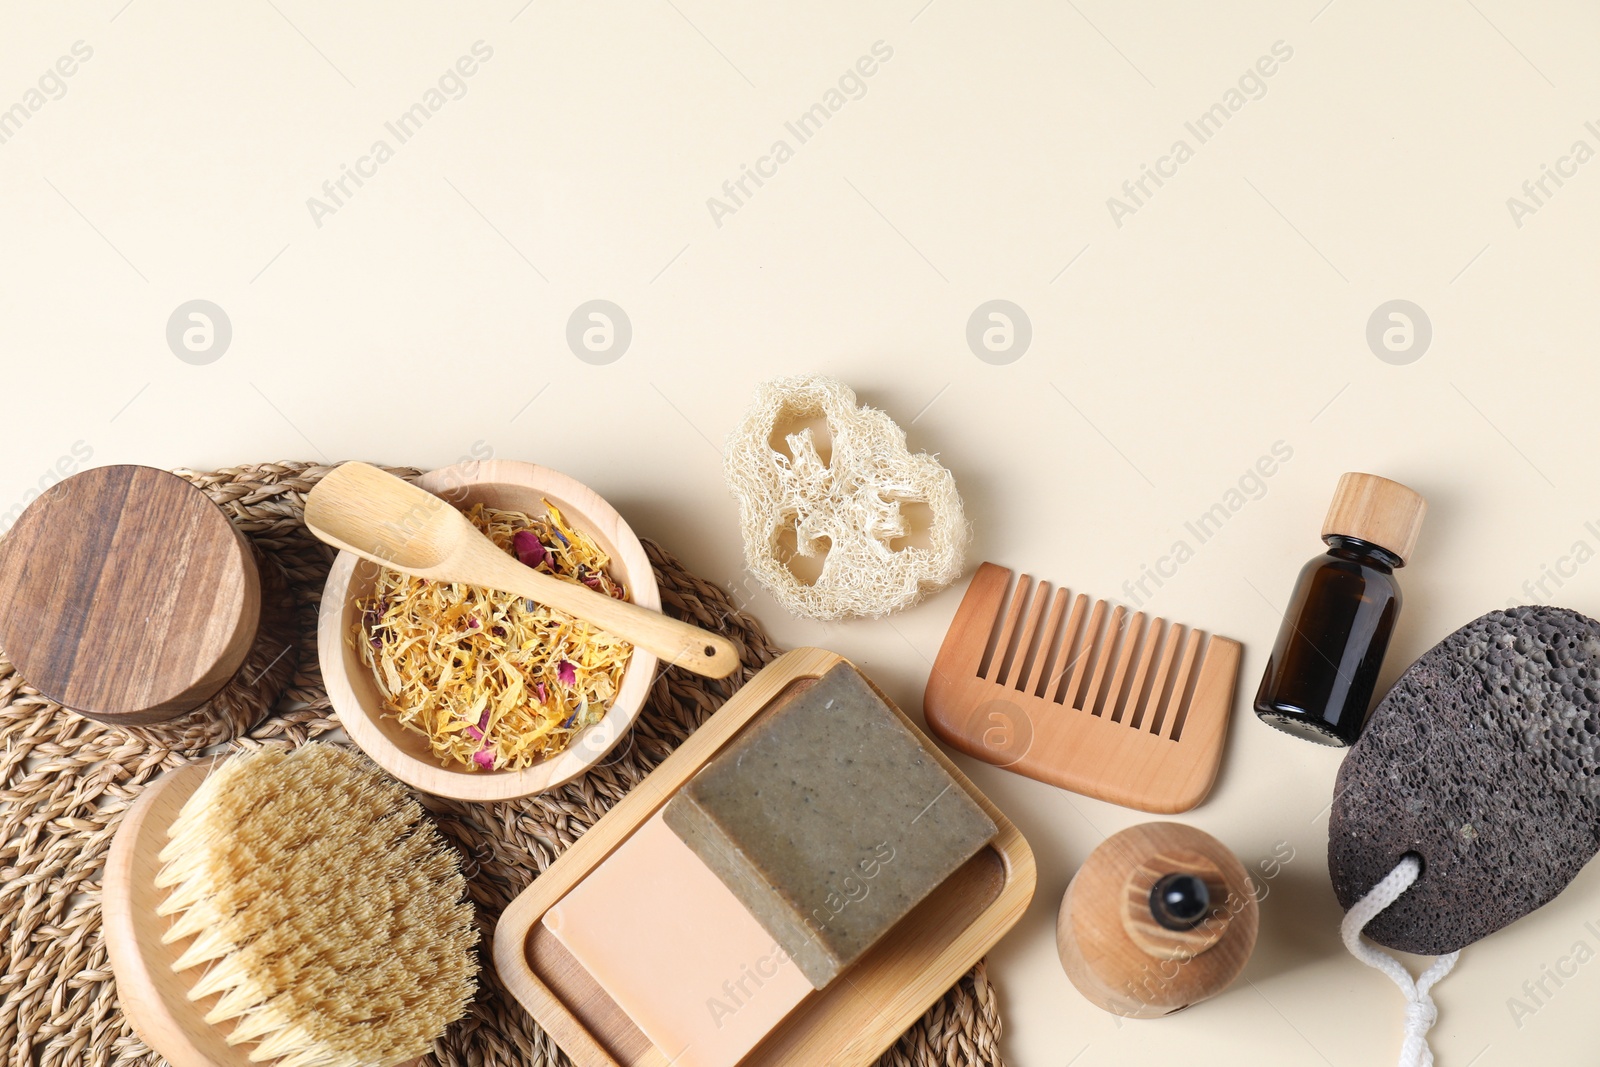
{"points": [[404, 753]]}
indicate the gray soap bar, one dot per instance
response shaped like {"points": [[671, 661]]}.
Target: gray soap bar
{"points": [[829, 819]]}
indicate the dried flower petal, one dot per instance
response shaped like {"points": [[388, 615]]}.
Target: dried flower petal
{"points": [[511, 701], [529, 549]]}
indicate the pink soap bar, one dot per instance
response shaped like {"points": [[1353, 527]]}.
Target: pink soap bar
{"points": [[677, 951]]}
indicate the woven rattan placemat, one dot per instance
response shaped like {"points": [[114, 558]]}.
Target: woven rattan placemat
{"points": [[67, 781]]}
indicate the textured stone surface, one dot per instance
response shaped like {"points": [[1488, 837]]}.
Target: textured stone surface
{"points": [[1484, 759]]}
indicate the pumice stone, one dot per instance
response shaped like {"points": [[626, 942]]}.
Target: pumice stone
{"points": [[1484, 761]]}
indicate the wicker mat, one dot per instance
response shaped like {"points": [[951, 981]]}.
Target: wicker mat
{"points": [[67, 781]]}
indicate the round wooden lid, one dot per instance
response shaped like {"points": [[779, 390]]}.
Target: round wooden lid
{"points": [[1376, 510], [127, 595]]}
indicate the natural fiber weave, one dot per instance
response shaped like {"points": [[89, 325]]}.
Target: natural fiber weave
{"points": [[68, 780]]}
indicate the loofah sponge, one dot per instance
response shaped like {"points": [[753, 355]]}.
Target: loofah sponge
{"points": [[1484, 760], [328, 914], [843, 501]]}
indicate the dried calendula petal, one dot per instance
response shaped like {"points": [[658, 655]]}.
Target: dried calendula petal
{"points": [[495, 681]]}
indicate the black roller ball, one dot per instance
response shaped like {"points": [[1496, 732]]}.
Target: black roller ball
{"points": [[1179, 901]]}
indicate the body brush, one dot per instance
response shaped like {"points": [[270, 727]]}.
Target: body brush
{"points": [[314, 916]]}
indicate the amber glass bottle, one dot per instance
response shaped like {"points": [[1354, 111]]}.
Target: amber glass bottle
{"points": [[1324, 665]]}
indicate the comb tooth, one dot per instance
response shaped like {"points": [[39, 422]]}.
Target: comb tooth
{"points": [[1130, 638], [969, 644], [1063, 678], [1134, 715], [1183, 687], [1158, 688], [1102, 660], [1149, 675], [1076, 672], [1048, 645], [1210, 703], [1008, 629], [1017, 673]]}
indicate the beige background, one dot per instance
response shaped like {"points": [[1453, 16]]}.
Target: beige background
{"points": [[426, 318]]}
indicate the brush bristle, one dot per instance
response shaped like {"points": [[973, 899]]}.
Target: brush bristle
{"points": [[325, 909]]}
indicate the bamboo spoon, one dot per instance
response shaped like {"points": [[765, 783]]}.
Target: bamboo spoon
{"points": [[359, 508]]}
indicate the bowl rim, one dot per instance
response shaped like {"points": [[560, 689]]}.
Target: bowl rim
{"points": [[590, 746]]}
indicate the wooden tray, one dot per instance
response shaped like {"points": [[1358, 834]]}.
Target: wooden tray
{"points": [[849, 1023]]}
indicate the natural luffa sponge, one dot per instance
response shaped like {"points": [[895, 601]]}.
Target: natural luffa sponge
{"points": [[1484, 760], [840, 511]]}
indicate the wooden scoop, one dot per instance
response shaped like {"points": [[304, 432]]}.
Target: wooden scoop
{"points": [[359, 508]]}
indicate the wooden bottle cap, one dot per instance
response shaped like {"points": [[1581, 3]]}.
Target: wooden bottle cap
{"points": [[1376, 510], [127, 595]]}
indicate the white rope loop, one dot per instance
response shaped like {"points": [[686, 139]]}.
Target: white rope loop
{"points": [[1421, 1013]]}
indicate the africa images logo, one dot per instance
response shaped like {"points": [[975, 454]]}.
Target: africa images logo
{"points": [[851, 85], [51, 85], [451, 85], [1252, 85]]}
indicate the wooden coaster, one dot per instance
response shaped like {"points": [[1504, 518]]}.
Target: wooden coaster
{"points": [[129, 596]]}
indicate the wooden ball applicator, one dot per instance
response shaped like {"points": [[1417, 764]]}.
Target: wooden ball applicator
{"points": [[1160, 916]]}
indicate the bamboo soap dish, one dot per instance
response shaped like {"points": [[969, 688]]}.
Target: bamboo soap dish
{"points": [[1121, 708], [849, 1023]]}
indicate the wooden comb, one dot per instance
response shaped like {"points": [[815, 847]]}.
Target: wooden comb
{"points": [[1122, 708]]}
